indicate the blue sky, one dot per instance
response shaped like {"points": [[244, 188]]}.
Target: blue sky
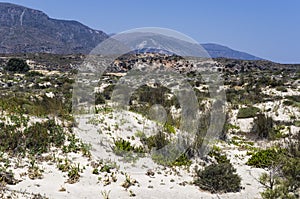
{"points": [[266, 28]]}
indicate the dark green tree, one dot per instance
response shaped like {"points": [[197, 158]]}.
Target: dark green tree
{"points": [[17, 65]]}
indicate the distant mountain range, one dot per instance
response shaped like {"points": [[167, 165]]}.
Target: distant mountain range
{"points": [[216, 50], [25, 30]]}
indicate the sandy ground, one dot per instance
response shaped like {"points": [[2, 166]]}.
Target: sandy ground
{"points": [[165, 183]]}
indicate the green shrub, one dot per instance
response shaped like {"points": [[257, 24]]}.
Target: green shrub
{"points": [[34, 74], [157, 141], [37, 107], [56, 133], [248, 112], [265, 158], [281, 88], [218, 178], [36, 138], [16, 65], [95, 171], [73, 146], [264, 126], [73, 174], [288, 103], [99, 99], [169, 128], [170, 156], [283, 179], [291, 171], [183, 160], [146, 96], [123, 146], [295, 98], [219, 157], [10, 139], [106, 168], [40, 136]]}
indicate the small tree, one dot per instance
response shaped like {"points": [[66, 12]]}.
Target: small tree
{"points": [[280, 185], [283, 178], [17, 65]]}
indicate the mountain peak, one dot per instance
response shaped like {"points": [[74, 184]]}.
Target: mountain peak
{"points": [[12, 14], [25, 30]]}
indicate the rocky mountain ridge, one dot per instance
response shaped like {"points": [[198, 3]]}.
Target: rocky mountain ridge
{"points": [[25, 30]]}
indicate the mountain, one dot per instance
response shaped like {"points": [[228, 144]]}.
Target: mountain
{"points": [[150, 41], [216, 50], [26, 30]]}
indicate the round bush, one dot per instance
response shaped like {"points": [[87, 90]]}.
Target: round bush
{"points": [[17, 65], [219, 178]]}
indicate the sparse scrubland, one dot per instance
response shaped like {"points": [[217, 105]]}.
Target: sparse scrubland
{"points": [[256, 155]]}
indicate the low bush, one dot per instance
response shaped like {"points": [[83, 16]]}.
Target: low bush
{"points": [[248, 112], [288, 103], [73, 174], [218, 178], [183, 160], [34, 74], [264, 126], [157, 141], [169, 129], [218, 156], [123, 146], [265, 158], [281, 88], [294, 98], [36, 138]]}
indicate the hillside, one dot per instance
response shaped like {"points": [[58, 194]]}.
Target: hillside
{"points": [[216, 50], [26, 30]]}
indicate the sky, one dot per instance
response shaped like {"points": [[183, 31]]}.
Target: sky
{"points": [[269, 29]]}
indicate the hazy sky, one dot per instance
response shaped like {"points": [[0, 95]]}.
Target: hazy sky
{"points": [[266, 28]]}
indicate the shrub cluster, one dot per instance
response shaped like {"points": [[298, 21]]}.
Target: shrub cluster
{"points": [[36, 138], [283, 178]]}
